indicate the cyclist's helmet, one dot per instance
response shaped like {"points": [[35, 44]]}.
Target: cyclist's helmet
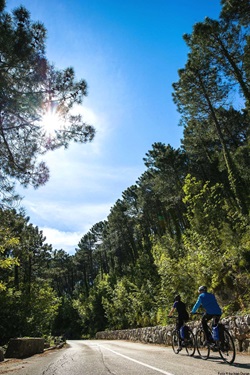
{"points": [[202, 288]]}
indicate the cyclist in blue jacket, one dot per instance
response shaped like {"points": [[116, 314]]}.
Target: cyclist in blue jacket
{"points": [[212, 308]]}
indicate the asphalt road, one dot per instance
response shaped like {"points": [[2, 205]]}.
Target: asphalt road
{"points": [[101, 357]]}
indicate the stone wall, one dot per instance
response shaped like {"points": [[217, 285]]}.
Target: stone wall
{"points": [[238, 326], [24, 347]]}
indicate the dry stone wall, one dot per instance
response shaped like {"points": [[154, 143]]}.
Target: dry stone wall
{"points": [[238, 326]]}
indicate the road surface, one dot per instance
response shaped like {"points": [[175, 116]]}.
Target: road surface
{"points": [[101, 357]]}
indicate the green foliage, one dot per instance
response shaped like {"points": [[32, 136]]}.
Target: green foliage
{"points": [[41, 309], [28, 303], [214, 242], [6, 263], [90, 308], [176, 277], [30, 314], [67, 322]]}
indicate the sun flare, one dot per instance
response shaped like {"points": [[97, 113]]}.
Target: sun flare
{"points": [[51, 122]]}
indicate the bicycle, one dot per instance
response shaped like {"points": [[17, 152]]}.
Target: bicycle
{"points": [[183, 338], [222, 343]]}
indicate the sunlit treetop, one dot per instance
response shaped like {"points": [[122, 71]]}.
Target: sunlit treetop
{"points": [[36, 101]]}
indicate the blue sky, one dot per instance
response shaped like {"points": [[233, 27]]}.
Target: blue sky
{"points": [[129, 52]]}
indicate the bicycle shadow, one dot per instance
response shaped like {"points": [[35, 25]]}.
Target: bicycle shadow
{"points": [[241, 365], [218, 360]]}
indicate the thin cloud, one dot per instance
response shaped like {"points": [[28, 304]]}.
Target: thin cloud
{"points": [[67, 241], [72, 217], [64, 226]]}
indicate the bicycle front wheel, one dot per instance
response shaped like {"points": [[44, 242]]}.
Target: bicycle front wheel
{"points": [[227, 348], [190, 343], [175, 341], [201, 345]]}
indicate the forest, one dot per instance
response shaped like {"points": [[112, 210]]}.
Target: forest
{"points": [[184, 222]]}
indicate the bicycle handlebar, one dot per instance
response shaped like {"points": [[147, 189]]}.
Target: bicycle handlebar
{"points": [[196, 313]]}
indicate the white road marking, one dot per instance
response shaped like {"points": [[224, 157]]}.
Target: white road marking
{"points": [[140, 363]]}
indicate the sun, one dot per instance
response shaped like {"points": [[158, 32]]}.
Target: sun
{"points": [[51, 122]]}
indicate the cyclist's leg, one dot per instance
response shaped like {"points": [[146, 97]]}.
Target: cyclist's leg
{"points": [[179, 324], [220, 327], [216, 319], [204, 321]]}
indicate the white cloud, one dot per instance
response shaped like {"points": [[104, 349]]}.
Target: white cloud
{"points": [[67, 241], [64, 226], [78, 217]]}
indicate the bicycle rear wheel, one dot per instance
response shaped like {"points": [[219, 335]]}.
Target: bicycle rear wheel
{"points": [[227, 348], [201, 345], [175, 341], [190, 343]]}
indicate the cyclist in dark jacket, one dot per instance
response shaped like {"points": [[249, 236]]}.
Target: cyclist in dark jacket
{"points": [[183, 316], [180, 307], [212, 308]]}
